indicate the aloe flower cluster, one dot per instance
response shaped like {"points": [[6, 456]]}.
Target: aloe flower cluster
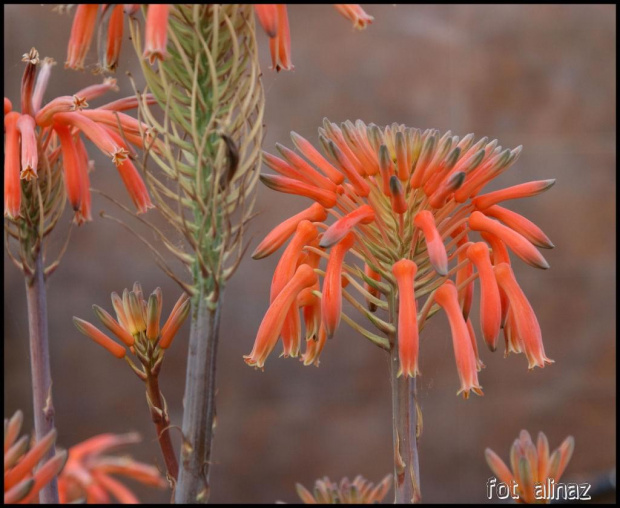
{"points": [[89, 474], [109, 20], [26, 471], [42, 139], [359, 491], [532, 466], [407, 204]]}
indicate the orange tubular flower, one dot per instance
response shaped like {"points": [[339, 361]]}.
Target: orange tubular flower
{"points": [[156, 32], [533, 467], [12, 188], [519, 244], [521, 225], [525, 321], [436, 249], [339, 229], [404, 197], [114, 37], [490, 303], [280, 44], [466, 364], [88, 470], [331, 300], [273, 321], [280, 234], [408, 340], [81, 35]]}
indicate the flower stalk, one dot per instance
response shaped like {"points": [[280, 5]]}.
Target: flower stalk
{"points": [[207, 84], [40, 368]]}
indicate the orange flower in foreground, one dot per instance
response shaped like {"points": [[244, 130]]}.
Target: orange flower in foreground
{"points": [[534, 469], [25, 474], [51, 139], [406, 203], [88, 473]]}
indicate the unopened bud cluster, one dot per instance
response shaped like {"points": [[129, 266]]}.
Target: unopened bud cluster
{"points": [[137, 326]]}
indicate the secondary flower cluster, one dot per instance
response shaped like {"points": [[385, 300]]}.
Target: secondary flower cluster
{"points": [[531, 464], [359, 491], [406, 203], [272, 17], [87, 474], [39, 137], [137, 325], [25, 474]]}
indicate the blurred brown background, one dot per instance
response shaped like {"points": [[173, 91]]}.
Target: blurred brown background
{"points": [[540, 76]]}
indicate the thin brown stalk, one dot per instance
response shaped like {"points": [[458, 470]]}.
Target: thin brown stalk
{"points": [[161, 419]]}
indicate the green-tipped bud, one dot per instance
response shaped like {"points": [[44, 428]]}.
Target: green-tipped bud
{"points": [[129, 317], [152, 318], [117, 303], [137, 313], [99, 337], [111, 324], [173, 324]]}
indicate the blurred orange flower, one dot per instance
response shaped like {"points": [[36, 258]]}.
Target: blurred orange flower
{"points": [[87, 474], [25, 471]]}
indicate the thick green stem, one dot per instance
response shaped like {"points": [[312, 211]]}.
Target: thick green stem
{"points": [[40, 367], [199, 403], [405, 423]]}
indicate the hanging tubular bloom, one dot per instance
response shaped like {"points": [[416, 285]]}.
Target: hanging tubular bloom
{"points": [[24, 472], [533, 467], [51, 139], [272, 17], [406, 203], [88, 473], [359, 491]]}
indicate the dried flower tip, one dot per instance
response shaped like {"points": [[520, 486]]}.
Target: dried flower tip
{"points": [[32, 57], [64, 104]]}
